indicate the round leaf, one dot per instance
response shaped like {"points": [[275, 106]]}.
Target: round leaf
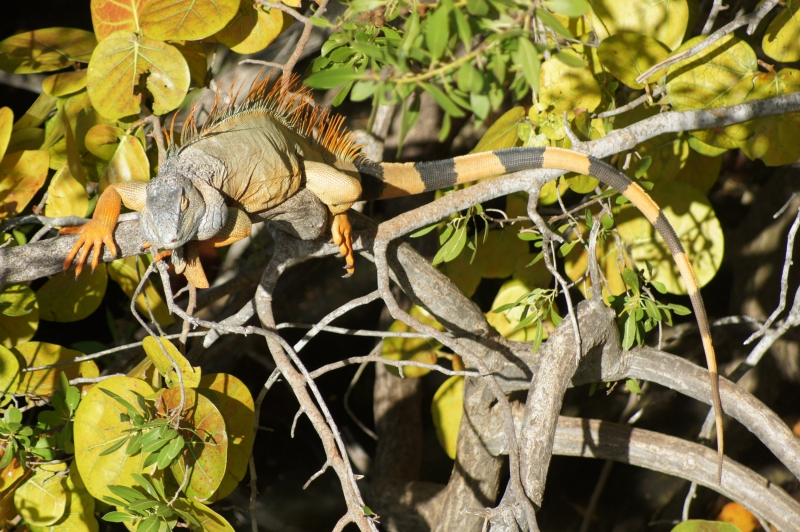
{"points": [[628, 55], [44, 382], [496, 257], [664, 20], [771, 139], [22, 174], [129, 163], [15, 330], [505, 322], [102, 140], [65, 299], [234, 402], [99, 410], [109, 16], [251, 30], [210, 521], [447, 409], [782, 39], [45, 50], [205, 455], [188, 20], [566, 88], [42, 499], [17, 300], [695, 223], [462, 273], [6, 124], [10, 376], [66, 196], [114, 72], [195, 54], [152, 347], [79, 515], [64, 83]]}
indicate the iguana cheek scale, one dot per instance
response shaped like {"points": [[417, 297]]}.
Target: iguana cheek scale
{"points": [[250, 157]]}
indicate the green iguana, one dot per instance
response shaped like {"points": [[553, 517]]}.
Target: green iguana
{"points": [[251, 157]]}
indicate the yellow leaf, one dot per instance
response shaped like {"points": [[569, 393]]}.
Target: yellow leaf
{"points": [[253, 29], [44, 382], [210, 521], [129, 163], [447, 409], [418, 349], [45, 50], [191, 376], [664, 20], [102, 140], [10, 375], [124, 273], [9, 476], [188, 20], [109, 16], [99, 410], [566, 88], [496, 257], [42, 499], [66, 196], [462, 273], [17, 300], [114, 72], [29, 138], [772, 138], [15, 330], [628, 55], [195, 54], [65, 299], [505, 322], [79, 515], [503, 133], [22, 174], [6, 123], [695, 223], [38, 112], [700, 171], [64, 83], [611, 263], [782, 38]]}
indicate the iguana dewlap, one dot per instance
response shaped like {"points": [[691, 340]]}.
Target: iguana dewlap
{"points": [[250, 157]]}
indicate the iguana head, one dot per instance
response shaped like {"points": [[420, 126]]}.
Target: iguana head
{"points": [[173, 212]]}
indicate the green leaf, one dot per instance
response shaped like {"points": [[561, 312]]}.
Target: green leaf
{"points": [[362, 90], [633, 386], [631, 279], [452, 248], [65, 299], [443, 100], [629, 332], [463, 28], [528, 59], [680, 310], [127, 493], [696, 525], [333, 77], [437, 30], [569, 8], [117, 517], [151, 524]]}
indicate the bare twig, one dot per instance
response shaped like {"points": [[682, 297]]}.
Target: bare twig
{"points": [[712, 17], [633, 103], [347, 307]]}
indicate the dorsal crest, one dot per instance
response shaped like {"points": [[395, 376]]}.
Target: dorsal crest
{"points": [[290, 103]]}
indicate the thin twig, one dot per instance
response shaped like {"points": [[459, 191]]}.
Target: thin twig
{"points": [[633, 103], [347, 307], [351, 332]]}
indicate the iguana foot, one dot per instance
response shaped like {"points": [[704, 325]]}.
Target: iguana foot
{"points": [[343, 237], [92, 237], [194, 271]]}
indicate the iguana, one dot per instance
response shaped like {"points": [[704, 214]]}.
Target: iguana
{"points": [[251, 157]]}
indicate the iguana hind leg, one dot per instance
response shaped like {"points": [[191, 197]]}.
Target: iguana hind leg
{"points": [[100, 229], [338, 191]]}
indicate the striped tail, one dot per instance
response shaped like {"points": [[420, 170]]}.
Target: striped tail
{"points": [[389, 180]]}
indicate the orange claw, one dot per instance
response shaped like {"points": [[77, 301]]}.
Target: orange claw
{"points": [[343, 237], [97, 232]]}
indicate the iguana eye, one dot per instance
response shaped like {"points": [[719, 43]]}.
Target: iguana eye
{"points": [[184, 203]]}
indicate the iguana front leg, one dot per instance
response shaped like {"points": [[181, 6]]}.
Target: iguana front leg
{"points": [[338, 191], [100, 229], [236, 227]]}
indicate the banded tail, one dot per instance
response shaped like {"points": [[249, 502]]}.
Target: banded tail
{"points": [[389, 180]]}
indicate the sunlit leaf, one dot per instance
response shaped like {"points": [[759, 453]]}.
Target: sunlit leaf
{"points": [[566, 88], [65, 299], [447, 409], [118, 62], [18, 329], [66, 196], [99, 410], [46, 50], [209, 520], [205, 456], [252, 29], [195, 54], [10, 377], [17, 300], [696, 525], [45, 381], [503, 133], [665, 20], [153, 349], [782, 39], [570, 8], [6, 125], [180, 20], [42, 499], [418, 349], [129, 163], [628, 55], [22, 174], [38, 112], [64, 83], [234, 402], [109, 16]]}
